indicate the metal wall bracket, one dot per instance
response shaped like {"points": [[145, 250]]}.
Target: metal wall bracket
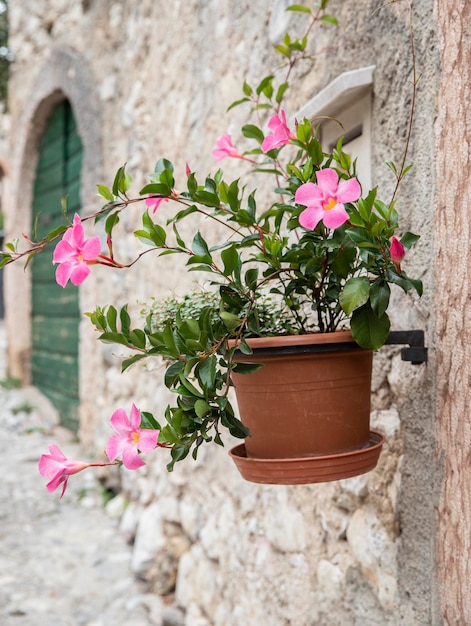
{"points": [[416, 353]]}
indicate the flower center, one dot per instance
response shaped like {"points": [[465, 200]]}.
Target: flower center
{"points": [[135, 437], [330, 204]]}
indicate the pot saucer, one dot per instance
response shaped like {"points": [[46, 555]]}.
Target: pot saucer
{"points": [[309, 469]]}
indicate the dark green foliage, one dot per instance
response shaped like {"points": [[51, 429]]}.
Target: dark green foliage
{"points": [[267, 275]]}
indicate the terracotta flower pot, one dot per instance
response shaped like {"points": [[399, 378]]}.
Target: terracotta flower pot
{"points": [[309, 401]]}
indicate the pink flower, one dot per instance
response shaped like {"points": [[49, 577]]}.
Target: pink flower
{"points": [[225, 148], [130, 438], [155, 202], [73, 253], [58, 468], [281, 134], [397, 253], [324, 200]]}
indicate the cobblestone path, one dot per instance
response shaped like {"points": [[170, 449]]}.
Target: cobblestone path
{"points": [[62, 562]]}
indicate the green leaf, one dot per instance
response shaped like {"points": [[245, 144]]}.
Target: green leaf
{"points": [[304, 131], [5, 258], [191, 183], [383, 209], [354, 294], [191, 389], [230, 258], [138, 338], [246, 368], [169, 341], [13, 245], [237, 102], [114, 338], [182, 214], [299, 8], [251, 206], [122, 181], [405, 282], [365, 205], [231, 321], [284, 50], [163, 173], [206, 372], [166, 178], [155, 235], [362, 238], [156, 232], [233, 195], [408, 239], [244, 347], [207, 198], [407, 169], [247, 89], [251, 277], [264, 83], [157, 189], [149, 421], [253, 132], [124, 319], [143, 236], [235, 426], [190, 365], [369, 330], [380, 293], [117, 180], [202, 408], [329, 19], [417, 285], [314, 150], [189, 329], [133, 359], [180, 241], [111, 318], [162, 165], [105, 193], [342, 265], [199, 246], [178, 454], [204, 264], [111, 222], [307, 169], [172, 374], [281, 92]]}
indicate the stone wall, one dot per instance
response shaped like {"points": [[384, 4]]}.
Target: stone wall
{"points": [[148, 79]]}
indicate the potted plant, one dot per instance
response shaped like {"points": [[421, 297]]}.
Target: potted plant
{"points": [[305, 273]]}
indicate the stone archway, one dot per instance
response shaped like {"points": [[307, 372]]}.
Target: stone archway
{"points": [[65, 76]]}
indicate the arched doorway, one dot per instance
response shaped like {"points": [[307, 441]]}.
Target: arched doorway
{"points": [[55, 311]]}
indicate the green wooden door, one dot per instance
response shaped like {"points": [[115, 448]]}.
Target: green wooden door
{"points": [[55, 311]]}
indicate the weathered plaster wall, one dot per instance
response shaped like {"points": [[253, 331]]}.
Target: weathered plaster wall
{"points": [[149, 79], [452, 318]]}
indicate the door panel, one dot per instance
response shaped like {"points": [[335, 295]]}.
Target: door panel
{"points": [[55, 311]]}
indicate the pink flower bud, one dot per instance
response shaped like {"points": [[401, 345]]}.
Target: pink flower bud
{"points": [[396, 252]]}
